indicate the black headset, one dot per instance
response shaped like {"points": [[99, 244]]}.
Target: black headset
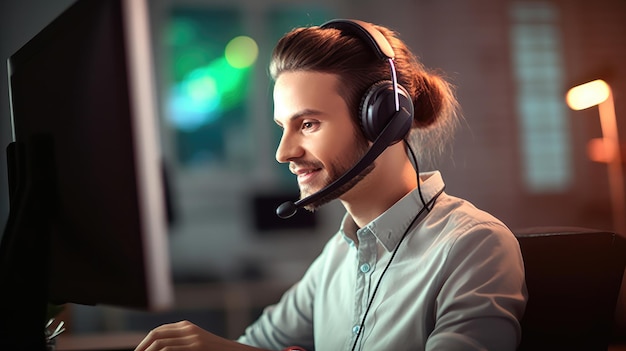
{"points": [[385, 101]]}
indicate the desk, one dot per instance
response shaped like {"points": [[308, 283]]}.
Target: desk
{"points": [[123, 341], [237, 300]]}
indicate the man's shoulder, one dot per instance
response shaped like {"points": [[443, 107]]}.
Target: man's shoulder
{"points": [[462, 217]]}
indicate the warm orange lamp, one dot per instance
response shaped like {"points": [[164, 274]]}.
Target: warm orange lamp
{"points": [[607, 149]]}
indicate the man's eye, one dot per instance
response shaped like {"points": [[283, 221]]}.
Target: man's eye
{"points": [[308, 125]]}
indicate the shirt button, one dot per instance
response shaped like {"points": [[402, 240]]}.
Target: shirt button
{"points": [[355, 329], [365, 267]]}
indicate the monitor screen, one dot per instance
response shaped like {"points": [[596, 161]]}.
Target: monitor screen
{"points": [[83, 110]]}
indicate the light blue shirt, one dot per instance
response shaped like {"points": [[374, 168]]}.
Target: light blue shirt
{"points": [[455, 283]]}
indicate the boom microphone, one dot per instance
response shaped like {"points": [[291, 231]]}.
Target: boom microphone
{"points": [[393, 131]]}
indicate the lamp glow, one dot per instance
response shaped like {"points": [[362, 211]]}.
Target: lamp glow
{"points": [[587, 95], [607, 148]]}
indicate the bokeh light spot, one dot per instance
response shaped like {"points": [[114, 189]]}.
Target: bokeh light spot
{"points": [[241, 52]]}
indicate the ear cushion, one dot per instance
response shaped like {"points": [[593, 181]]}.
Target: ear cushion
{"points": [[378, 107]]}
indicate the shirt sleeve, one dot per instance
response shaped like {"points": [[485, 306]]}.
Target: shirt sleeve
{"points": [[480, 304], [290, 321]]}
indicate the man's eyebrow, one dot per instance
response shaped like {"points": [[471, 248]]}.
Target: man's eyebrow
{"points": [[303, 113]]}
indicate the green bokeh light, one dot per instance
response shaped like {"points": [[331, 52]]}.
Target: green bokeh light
{"points": [[241, 52], [207, 91], [201, 86]]}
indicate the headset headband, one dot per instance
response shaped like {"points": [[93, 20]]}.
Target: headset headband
{"points": [[365, 31], [375, 39]]}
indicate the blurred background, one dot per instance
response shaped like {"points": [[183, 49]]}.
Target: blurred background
{"points": [[521, 152]]}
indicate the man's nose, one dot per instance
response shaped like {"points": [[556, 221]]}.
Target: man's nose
{"points": [[289, 148]]}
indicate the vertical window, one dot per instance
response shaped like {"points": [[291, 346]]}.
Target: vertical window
{"points": [[543, 126], [211, 65]]}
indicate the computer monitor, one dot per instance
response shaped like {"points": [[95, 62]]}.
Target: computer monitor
{"points": [[87, 221]]}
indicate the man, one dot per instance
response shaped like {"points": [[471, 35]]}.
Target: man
{"points": [[411, 268]]}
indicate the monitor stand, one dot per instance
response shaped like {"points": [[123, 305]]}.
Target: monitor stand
{"points": [[24, 250]]}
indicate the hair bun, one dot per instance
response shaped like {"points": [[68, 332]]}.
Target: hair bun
{"points": [[429, 100]]}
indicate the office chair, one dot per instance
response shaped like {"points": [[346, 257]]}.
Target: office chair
{"points": [[573, 277]]}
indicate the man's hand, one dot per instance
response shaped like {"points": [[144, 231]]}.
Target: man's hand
{"points": [[186, 336]]}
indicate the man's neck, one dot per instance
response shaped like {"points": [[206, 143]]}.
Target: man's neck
{"points": [[378, 192]]}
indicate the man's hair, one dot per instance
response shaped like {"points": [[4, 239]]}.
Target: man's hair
{"points": [[329, 50]]}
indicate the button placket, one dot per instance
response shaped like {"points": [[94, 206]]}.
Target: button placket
{"points": [[366, 259]]}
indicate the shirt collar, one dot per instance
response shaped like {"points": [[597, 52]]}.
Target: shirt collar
{"points": [[390, 226]]}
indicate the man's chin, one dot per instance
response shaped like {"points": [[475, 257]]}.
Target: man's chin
{"points": [[320, 201], [305, 193]]}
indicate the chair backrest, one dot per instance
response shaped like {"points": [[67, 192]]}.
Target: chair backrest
{"points": [[573, 277]]}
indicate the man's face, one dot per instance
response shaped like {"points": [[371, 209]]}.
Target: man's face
{"points": [[319, 140]]}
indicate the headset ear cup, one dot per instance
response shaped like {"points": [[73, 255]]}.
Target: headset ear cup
{"points": [[378, 107]]}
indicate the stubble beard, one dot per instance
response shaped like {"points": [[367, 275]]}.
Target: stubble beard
{"points": [[335, 170]]}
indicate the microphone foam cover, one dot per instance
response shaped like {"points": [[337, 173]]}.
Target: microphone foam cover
{"points": [[286, 210]]}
